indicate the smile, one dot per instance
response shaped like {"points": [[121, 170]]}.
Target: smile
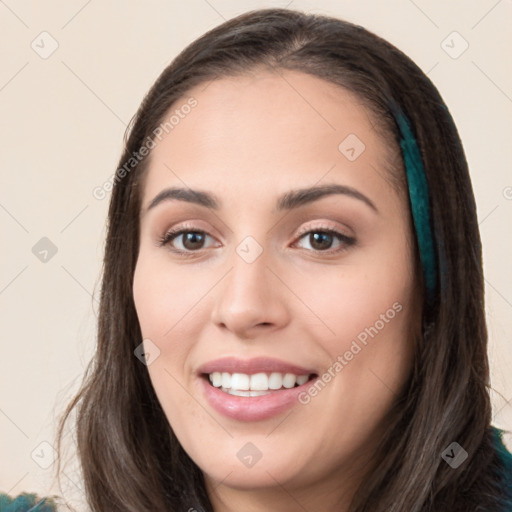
{"points": [[254, 389], [257, 384]]}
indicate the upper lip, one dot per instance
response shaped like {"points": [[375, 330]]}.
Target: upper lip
{"points": [[251, 366]]}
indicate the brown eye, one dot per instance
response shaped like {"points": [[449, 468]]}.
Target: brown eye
{"points": [[191, 240], [321, 240]]}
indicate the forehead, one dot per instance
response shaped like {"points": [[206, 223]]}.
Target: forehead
{"points": [[266, 131]]}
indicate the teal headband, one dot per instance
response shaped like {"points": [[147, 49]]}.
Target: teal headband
{"points": [[419, 196]]}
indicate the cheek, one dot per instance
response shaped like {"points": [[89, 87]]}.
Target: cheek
{"points": [[164, 299], [163, 306], [367, 308], [345, 301]]}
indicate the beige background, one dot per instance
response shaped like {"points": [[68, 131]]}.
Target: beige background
{"points": [[62, 124]]}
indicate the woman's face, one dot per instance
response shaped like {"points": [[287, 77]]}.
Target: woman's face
{"points": [[259, 293]]}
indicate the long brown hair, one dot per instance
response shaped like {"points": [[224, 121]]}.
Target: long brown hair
{"points": [[130, 458]]}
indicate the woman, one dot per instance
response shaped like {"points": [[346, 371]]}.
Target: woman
{"points": [[317, 340]]}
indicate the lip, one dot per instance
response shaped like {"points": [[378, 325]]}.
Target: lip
{"points": [[252, 366], [256, 408]]}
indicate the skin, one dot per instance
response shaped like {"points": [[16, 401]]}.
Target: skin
{"points": [[249, 140]]}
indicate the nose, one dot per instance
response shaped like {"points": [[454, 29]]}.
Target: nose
{"points": [[252, 298]]}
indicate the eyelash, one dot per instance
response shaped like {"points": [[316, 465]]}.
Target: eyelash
{"points": [[172, 234]]}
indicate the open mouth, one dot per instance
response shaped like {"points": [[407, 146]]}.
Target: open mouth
{"points": [[257, 384]]}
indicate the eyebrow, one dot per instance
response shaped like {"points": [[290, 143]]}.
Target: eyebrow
{"points": [[288, 201]]}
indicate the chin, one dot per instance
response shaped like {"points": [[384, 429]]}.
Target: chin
{"points": [[260, 476]]}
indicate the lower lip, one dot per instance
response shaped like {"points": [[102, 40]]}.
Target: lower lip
{"points": [[253, 408]]}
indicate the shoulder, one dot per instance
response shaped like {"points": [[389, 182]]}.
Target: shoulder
{"points": [[26, 502], [506, 471]]}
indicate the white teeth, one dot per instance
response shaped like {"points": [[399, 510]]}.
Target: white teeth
{"points": [[240, 381], [302, 379], [236, 392], [259, 382], [275, 381], [289, 380], [242, 384], [216, 379]]}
